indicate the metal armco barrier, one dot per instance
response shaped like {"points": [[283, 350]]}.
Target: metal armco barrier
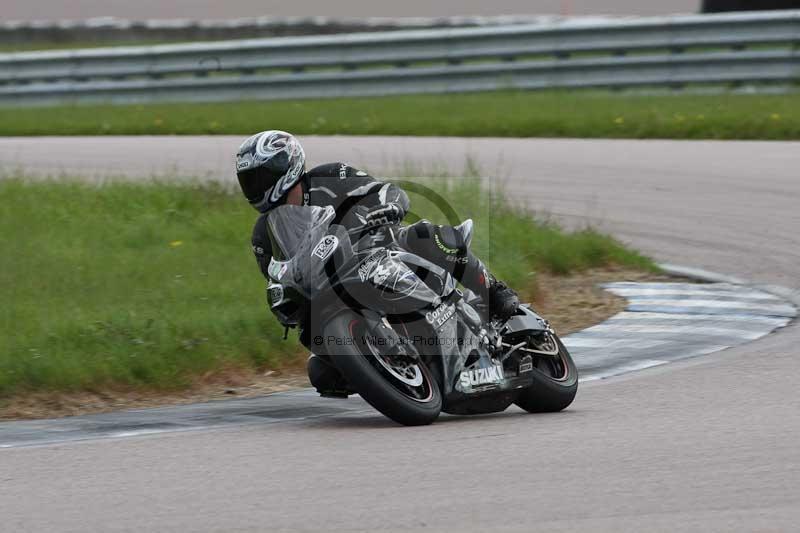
{"points": [[664, 51]]}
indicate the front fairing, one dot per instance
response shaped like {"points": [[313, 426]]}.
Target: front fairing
{"points": [[305, 248]]}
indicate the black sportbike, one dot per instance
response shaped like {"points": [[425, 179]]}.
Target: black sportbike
{"points": [[400, 332]]}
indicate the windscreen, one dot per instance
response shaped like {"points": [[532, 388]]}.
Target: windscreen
{"points": [[290, 225], [303, 243]]}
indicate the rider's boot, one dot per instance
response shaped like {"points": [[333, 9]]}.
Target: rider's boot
{"points": [[503, 300], [326, 378]]}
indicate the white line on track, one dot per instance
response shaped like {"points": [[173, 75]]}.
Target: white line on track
{"points": [[720, 304], [691, 324], [681, 293], [698, 317], [688, 329]]}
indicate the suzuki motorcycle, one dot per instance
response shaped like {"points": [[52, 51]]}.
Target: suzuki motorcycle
{"points": [[400, 332]]}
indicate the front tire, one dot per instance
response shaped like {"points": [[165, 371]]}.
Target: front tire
{"points": [[408, 395], [555, 383]]}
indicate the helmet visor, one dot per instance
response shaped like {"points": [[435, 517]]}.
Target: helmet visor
{"points": [[257, 181]]}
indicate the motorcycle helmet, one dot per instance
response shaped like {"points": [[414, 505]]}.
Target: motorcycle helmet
{"points": [[268, 165]]}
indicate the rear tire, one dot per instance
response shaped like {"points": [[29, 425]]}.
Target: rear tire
{"points": [[360, 366], [555, 383]]}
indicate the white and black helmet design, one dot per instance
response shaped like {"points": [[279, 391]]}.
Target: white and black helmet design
{"points": [[268, 165]]}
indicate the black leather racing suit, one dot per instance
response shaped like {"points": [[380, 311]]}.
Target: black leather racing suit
{"points": [[344, 187]]}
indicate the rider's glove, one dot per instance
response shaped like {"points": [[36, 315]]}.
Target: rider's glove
{"points": [[385, 215]]}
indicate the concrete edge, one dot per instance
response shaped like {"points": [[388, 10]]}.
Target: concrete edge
{"points": [[699, 274]]}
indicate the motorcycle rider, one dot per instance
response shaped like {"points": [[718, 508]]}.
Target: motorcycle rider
{"points": [[271, 170]]}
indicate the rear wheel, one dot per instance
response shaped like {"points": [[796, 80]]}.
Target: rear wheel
{"points": [[555, 383], [398, 385]]}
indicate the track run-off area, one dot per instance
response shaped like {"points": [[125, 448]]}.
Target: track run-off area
{"points": [[662, 323], [701, 444]]}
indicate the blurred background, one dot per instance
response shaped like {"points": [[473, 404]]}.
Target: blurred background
{"points": [[50, 10], [35, 24], [208, 9]]}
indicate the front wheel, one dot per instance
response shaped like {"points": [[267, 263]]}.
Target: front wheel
{"points": [[400, 387], [555, 383]]}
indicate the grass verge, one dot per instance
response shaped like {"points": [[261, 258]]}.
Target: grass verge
{"points": [[504, 114], [130, 286], [46, 46]]}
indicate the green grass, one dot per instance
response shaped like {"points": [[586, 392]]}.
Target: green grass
{"points": [[513, 114], [151, 286], [40, 46]]}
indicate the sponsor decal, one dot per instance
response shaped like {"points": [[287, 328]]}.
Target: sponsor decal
{"points": [[461, 260], [258, 250], [369, 263], [342, 171], [446, 249], [391, 277], [275, 294], [244, 161], [277, 269], [325, 248], [382, 273], [526, 365], [441, 314], [482, 376]]}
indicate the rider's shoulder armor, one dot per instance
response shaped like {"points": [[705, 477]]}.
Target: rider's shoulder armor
{"points": [[332, 183], [339, 170]]}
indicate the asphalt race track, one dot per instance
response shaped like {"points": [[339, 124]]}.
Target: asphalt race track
{"points": [[708, 444]]}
